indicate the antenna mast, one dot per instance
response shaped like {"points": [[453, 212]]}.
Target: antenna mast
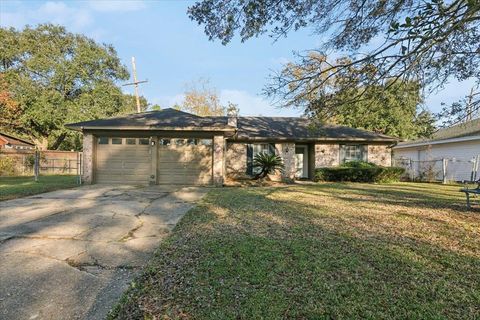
{"points": [[135, 83]]}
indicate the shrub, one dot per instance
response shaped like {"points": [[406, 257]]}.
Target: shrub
{"points": [[7, 166], [358, 164], [268, 164], [375, 174]]}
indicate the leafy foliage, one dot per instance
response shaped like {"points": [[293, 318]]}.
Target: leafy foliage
{"points": [[360, 173], [268, 164], [399, 40], [466, 109], [56, 77], [392, 108], [358, 164], [203, 100]]}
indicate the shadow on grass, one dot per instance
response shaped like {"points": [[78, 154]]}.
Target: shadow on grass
{"points": [[256, 253]]}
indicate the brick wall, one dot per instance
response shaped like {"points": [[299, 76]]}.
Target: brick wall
{"points": [[380, 155], [236, 160], [327, 155]]}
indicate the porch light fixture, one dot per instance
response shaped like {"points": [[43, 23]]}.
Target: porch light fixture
{"points": [[152, 143]]}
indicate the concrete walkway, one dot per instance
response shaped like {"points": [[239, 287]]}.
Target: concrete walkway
{"points": [[70, 254]]}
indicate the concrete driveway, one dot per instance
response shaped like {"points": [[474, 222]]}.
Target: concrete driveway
{"points": [[70, 254]]}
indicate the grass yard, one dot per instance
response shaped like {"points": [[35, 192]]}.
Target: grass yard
{"points": [[16, 187], [325, 251]]}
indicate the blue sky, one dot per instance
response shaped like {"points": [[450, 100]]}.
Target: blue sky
{"points": [[172, 51]]}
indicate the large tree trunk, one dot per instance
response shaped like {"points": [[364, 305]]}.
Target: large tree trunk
{"points": [[59, 140]]}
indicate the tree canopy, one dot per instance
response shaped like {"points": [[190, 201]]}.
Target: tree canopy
{"points": [[56, 77], [384, 41], [202, 99]]}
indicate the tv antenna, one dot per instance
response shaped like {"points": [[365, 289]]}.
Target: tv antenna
{"points": [[135, 83]]}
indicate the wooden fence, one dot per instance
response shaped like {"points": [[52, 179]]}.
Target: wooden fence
{"points": [[49, 162]]}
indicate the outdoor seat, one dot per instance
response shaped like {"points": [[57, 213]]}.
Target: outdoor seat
{"points": [[471, 191]]}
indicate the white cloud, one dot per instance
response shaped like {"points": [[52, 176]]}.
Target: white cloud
{"points": [[117, 5], [76, 19]]}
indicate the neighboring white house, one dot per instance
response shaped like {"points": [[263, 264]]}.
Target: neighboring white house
{"points": [[459, 145]]}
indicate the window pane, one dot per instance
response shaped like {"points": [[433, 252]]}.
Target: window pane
{"points": [[102, 140], [116, 140], [206, 142], [143, 141], [180, 142], [164, 142], [353, 152], [131, 141], [192, 142]]}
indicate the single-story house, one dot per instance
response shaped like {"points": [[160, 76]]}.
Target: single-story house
{"points": [[10, 142], [174, 147], [459, 145]]}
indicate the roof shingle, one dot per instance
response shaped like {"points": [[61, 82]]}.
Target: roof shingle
{"points": [[248, 128]]}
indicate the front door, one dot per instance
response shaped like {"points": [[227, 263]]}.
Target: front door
{"points": [[301, 161]]}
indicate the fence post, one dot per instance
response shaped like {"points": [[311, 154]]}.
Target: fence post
{"points": [[476, 160], [412, 172], [444, 169], [35, 165], [79, 167]]}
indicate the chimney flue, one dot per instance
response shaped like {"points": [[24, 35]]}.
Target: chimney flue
{"points": [[232, 114]]}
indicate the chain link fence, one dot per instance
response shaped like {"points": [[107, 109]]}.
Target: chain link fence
{"points": [[445, 169], [34, 163]]}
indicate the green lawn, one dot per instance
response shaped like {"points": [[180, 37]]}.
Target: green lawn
{"points": [[326, 251], [16, 187]]}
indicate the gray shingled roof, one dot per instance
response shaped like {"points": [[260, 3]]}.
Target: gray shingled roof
{"points": [[165, 118], [249, 128], [470, 128], [300, 128]]}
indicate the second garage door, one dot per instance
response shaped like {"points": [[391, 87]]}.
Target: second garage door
{"points": [[185, 161]]}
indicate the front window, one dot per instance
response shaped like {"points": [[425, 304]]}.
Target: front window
{"points": [[353, 152]]}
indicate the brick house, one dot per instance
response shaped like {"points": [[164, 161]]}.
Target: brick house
{"points": [[175, 147]]}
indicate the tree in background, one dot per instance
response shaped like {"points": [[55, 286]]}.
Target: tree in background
{"points": [[56, 77], [129, 104], [464, 110], [202, 99], [427, 42], [392, 108]]}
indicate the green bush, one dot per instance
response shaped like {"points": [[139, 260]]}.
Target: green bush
{"points": [[375, 174], [358, 164], [7, 166]]}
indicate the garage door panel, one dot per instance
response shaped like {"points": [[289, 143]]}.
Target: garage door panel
{"points": [[185, 179], [123, 163], [190, 164]]}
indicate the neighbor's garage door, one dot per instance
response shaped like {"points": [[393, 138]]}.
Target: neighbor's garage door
{"points": [[122, 160], [185, 161]]}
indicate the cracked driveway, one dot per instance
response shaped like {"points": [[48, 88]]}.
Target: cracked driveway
{"points": [[70, 254]]}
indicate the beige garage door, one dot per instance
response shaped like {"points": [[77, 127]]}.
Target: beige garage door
{"points": [[185, 161], [122, 160]]}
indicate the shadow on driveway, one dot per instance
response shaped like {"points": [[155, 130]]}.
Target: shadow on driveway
{"points": [[70, 254]]}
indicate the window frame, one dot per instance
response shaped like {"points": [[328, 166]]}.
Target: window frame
{"points": [[116, 139], [142, 140], [361, 152], [99, 140], [130, 139]]}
